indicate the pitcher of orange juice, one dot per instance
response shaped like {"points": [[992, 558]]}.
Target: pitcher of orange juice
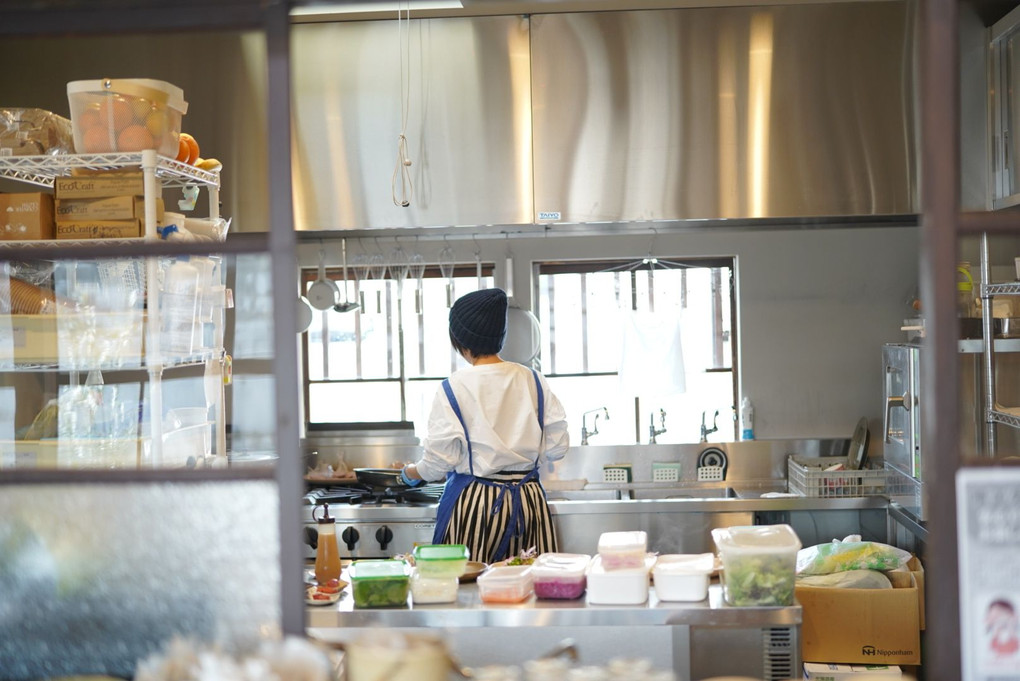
{"points": [[327, 552]]}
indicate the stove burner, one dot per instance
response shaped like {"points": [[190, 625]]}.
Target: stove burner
{"points": [[363, 495]]}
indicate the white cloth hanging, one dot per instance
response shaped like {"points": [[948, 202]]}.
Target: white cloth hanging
{"points": [[652, 358]]}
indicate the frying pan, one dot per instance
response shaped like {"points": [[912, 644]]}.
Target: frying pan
{"points": [[379, 477]]}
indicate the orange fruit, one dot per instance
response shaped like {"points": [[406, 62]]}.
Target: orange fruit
{"points": [[134, 138], [89, 118], [194, 151], [183, 150], [96, 140], [155, 121], [118, 110], [140, 108]]}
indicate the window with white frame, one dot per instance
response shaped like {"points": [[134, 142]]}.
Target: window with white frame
{"points": [[650, 343], [380, 364]]}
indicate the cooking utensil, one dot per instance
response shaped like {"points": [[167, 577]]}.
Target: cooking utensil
{"points": [[323, 292], [523, 337], [379, 477], [304, 314], [347, 305], [857, 454]]}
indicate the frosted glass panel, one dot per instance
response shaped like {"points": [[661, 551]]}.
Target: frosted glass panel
{"points": [[94, 577]]}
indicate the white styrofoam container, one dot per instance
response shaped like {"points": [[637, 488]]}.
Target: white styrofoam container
{"points": [[627, 586], [683, 577], [623, 550]]}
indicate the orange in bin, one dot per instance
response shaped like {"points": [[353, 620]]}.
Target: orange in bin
{"points": [[126, 115]]}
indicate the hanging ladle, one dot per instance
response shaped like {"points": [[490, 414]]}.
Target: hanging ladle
{"points": [[347, 305]]}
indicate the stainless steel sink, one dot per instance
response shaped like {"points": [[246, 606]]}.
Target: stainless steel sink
{"points": [[600, 492]]}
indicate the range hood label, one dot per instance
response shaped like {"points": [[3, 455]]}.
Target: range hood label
{"points": [[548, 215]]}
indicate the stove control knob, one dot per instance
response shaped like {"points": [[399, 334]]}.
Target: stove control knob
{"points": [[384, 536], [312, 537], [350, 537]]}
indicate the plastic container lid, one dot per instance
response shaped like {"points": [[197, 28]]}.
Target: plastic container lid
{"points": [[560, 565], [685, 564], [379, 569], [157, 91], [441, 552], [615, 542], [756, 539]]}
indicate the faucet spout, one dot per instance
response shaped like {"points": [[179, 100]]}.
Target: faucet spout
{"points": [[585, 433], [705, 431], [652, 430]]}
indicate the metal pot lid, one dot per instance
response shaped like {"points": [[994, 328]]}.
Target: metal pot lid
{"points": [[858, 446]]}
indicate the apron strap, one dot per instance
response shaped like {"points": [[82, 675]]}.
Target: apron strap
{"points": [[460, 417]]}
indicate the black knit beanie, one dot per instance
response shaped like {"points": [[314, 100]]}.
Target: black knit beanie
{"points": [[478, 321]]}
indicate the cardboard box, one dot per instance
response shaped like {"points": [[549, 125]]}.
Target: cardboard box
{"points": [[26, 216], [106, 208], [97, 186], [111, 338], [917, 570], [817, 671], [862, 626], [99, 229]]}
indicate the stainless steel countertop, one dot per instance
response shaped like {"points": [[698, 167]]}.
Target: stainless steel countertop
{"points": [[469, 611]]}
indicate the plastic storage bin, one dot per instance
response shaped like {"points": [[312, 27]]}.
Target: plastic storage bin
{"points": [[510, 584], [626, 586], [623, 550], [125, 115], [441, 560], [560, 575], [425, 590], [683, 577], [380, 583], [759, 563]]}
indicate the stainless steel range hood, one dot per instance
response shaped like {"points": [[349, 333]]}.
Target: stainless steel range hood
{"points": [[744, 112]]}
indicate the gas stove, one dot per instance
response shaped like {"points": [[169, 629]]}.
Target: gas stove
{"points": [[373, 522]]}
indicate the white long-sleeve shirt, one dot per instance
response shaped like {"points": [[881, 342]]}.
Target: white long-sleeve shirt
{"points": [[499, 406]]}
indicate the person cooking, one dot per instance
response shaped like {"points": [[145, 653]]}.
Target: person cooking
{"points": [[492, 426]]}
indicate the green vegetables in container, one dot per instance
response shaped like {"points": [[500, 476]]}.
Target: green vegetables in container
{"points": [[758, 564], [380, 583]]}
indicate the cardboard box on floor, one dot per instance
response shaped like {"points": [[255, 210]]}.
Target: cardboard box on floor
{"points": [[817, 671], [862, 626]]}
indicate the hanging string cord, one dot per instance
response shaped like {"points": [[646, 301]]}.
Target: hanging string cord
{"points": [[402, 169]]}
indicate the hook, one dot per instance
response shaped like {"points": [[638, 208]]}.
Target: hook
{"points": [[478, 249]]}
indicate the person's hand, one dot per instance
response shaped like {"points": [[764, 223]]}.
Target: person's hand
{"points": [[409, 481]]}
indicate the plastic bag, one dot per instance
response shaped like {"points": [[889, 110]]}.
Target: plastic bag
{"points": [[32, 132], [851, 579], [849, 554]]}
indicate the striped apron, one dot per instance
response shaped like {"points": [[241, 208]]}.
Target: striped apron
{"points": [[499, 516]]}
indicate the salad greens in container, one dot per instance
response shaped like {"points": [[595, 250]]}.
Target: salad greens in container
{"points": [[380, 583], [758, 564]]}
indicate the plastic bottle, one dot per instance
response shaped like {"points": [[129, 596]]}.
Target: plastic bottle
{"points": [[746, 419], [179, 307]]}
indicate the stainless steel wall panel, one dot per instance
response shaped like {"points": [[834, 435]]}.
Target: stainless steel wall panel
{"points": [[787, 111], [468, 122]]}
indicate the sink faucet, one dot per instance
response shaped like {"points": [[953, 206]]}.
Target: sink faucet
{"points": [[705, 432], [585, 433], [652, 431]]}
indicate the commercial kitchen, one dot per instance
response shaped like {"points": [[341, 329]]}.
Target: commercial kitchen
{"points": [[764, 253]]}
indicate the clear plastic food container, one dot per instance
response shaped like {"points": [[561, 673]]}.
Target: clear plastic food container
{"points": [[125, 114], [623, 550], [759, 563], [683, 577], [509, 584], [620, 586], [425, 590], [380, 583], [441, 560], [560, 575]]}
